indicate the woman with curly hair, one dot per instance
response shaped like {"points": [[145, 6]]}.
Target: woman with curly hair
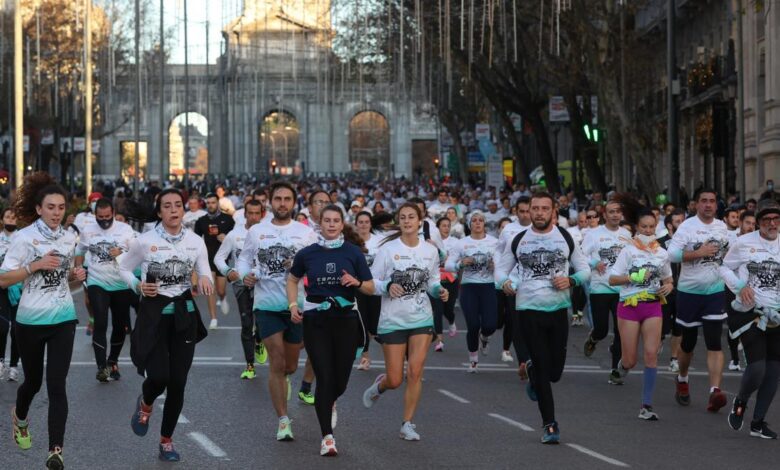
{"points": [[41, 256]]}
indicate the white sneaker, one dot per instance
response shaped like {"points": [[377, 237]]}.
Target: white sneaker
{"points": [[13, 374], [453, 330], [472, 369], [408, 433], [328, 446], [334, 418], [225, 307], [371, 395], [674, 365], [506, 356], [483, 345], [213, 324], [734, 366]]}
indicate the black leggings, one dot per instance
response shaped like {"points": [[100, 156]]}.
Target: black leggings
{"points": [[478, 302], [369, 307], [546, 334], [7, 320], [518, 339], [56, 342], [506, 307], [603, 306], [713, 330], [167, 367], [119, 302], [670, 324], [733, 343], [762, 352], [245, 300], [445, 309], [331, 342]]}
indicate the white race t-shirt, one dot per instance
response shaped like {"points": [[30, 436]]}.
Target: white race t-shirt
{"points": [[754, 261], [482, 250], [602, 245], [632, 259], [95, 245], [190, 217], [700, 276]]}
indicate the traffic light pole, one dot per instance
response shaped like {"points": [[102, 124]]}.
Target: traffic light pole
{"points": [[672, 143]]}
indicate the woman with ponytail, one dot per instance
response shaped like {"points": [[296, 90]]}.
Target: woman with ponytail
{"points": [[40, 256], [644, 274]]}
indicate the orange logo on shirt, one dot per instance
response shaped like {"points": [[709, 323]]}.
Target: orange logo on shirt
{"points": [[153, 248], [396, 257], [35, 242]]}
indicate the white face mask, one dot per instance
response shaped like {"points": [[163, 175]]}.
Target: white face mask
{"points": [[645, 239]]}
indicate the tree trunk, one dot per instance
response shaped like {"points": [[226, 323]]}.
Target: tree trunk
{"points": [[446, 117]]}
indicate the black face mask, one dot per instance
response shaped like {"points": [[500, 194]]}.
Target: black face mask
{"points": [[105, 224], [10, 228]]}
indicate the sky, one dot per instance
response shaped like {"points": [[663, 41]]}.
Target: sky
{"points": [[216, 12]]}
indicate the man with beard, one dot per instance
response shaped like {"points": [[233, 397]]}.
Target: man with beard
{"points": [[264, 262], [214, 227], [535, 268]]}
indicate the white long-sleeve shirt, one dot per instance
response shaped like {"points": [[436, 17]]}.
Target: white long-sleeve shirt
{"points": [[539, 258], [95, 245], [268, 252], [754, 261], [230, 248], [700, 276], [481, 250], [602, 245], [416, 269], [171, 265]]}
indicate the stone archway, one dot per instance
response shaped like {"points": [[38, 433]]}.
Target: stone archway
{"points": [[280, 135], [197, 153], [369, 144]]}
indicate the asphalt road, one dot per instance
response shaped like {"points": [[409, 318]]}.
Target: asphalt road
{"points": [[479, 420]]}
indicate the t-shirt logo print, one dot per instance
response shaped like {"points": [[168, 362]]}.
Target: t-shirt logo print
{"points": [[609, 255], [723, 248], [49, 281], [652, 269], [764, 275], [543, 264], [102, 251], [272, 259], [171, 272], [330, 268], [481, 261], [412, 279]]}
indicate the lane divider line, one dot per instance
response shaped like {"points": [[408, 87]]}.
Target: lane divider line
{"points": [[207, 444], [453, 396], [511, 422], [596, 455]]}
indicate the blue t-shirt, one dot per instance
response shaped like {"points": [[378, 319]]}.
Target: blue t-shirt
{"points": [[324, 267]]}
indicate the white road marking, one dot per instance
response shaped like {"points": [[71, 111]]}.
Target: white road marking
{"points": [[511, 422], [453, 396], [596, 455], [196, 358], [207, 444]]}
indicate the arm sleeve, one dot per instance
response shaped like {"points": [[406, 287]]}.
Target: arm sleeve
{"points": [[581, 268], [130, 261], [220, 258], [434, 279], [298, 268], [81, 248], [19, 254], [453, 259], [379, 272], [666, 269], [504, 264], [677, 245], [728, 270], [589, 251], [197, 228], [202, 266], [244, 263], [620, 268]]}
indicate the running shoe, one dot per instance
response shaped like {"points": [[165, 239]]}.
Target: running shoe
{"points": [[261, 354], [506, 356], [103, 375], [734, 365], [306, 397], [483, 345], [439, 346], [21, 431], [682, 393], [284, 432], [760, 429], [54, 461], [737, 415], [371, 395], [213, 324], [453, 330], [408, 432], [224, 307], [140, 419], [168, 453], [674, 365], [334, 417], [289, 388], [552, 435], [13, 374], [615, 378], [622, 370], [114, 374], [590, 347], [249, 373], [717, 401], [328, 446], [472, 369], [365, 363], [647, 413]]}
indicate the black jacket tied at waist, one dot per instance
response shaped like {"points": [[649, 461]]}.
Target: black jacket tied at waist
{"points": [[146, 332]]}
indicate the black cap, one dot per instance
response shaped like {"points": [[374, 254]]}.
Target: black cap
{"points": [[767, 206]]}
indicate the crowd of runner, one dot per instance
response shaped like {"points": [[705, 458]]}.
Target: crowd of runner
{"points": [[338, 267]]}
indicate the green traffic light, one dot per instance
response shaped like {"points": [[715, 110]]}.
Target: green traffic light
{"points": [[586, 129], [595, 135]]}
